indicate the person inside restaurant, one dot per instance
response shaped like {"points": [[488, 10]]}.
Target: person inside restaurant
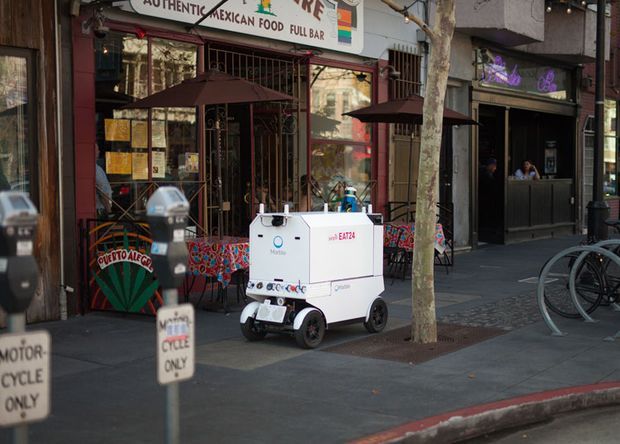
{"points": [[527, 171]]}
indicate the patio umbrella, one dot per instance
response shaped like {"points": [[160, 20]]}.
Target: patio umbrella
{"points": [[407, 111], [213, 87]]}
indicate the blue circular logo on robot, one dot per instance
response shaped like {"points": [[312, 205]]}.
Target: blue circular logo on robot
{"points": [[278, 241]]}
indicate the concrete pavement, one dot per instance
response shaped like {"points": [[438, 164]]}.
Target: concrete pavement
{"points": [[105, 390]]}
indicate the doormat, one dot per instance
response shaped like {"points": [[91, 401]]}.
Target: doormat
{"points": [[396, 345]]}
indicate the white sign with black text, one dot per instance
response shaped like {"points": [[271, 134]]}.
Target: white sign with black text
{"points": [[175, 343], [24, 377], [337, 25]]}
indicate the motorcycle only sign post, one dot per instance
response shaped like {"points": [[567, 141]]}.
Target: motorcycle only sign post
{"points": [[24, 377], [175, 343]]}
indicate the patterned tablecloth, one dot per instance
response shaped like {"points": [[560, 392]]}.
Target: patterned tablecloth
{"points": [[218, 258], [401, 235]]}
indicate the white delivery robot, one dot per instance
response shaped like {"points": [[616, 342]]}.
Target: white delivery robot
{"points": [[310, 271]]}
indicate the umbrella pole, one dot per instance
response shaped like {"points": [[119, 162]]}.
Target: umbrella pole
{"points": [[220, 193], [409, 178]]}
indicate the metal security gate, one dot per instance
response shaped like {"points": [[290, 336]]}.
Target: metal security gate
{"points": [[261, 142]]}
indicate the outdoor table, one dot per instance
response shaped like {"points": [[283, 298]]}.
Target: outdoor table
{"points": [[401, 235], [218, 258]]}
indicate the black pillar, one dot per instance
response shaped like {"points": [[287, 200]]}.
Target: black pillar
{"points": [[598, 210]]}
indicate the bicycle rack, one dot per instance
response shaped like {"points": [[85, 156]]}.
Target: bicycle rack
{"points": [[585, 250]]}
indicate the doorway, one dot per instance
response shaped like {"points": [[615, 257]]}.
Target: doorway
{"points": [[491, 174], [261, 148]]}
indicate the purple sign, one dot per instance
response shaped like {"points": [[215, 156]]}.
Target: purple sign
{"points": [[518, 74], [497, 72], [546, 82]]}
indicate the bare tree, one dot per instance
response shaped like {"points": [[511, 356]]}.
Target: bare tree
{"points": [[424, 325]]}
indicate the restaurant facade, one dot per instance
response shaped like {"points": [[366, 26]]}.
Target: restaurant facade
{"points": [[330, 57]]}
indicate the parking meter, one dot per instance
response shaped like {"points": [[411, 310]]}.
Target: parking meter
{"points": [[19, 272], [167, 212]]}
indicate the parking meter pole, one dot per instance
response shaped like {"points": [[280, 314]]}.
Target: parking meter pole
{"points": [[167, 212], [18, 272], [171, 296], [16, 323], [172, 413], [19, 434], [173, 434]]}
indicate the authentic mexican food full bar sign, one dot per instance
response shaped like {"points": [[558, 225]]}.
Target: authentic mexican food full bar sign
{"points": [[332, 24]]}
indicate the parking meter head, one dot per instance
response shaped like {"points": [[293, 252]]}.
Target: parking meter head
{"points": [[166, 202], [19, 273], [167, 211]]}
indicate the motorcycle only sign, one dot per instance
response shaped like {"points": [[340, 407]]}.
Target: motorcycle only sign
{"points": [[175, 343], [24, 377]]}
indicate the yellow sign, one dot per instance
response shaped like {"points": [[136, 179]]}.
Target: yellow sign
{"points": [[140, 166], [191, 162], [139, 134], [159, 164], [117, 130], [117, 163]]}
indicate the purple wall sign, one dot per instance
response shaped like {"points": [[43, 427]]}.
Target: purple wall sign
{"points": [[546, 82], [497, 72]]}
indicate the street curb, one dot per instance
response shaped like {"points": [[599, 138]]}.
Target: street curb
{"points": [[478, 420]]}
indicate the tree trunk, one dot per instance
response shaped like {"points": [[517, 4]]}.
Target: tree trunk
{"points": [[424, 325]]}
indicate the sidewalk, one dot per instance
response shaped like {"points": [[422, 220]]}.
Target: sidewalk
{"points": [[104, 383]]}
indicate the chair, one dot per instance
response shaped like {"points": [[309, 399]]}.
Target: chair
{"points": [[401, 212], [398, 258]]}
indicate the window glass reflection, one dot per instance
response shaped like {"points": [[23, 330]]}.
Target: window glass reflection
{"points": [[336, 91], [335, 166], [138, 145], [610, 179], [14, 124]]}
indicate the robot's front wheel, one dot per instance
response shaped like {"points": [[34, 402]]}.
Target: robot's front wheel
{"points": [[311, 331], [253, 331]]}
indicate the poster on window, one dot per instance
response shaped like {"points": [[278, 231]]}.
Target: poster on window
{"points": [[551, 154], [139, 166], [191, 162], [117, 130], [139, 134], [158, 128], [159, 164], [117, 163]]}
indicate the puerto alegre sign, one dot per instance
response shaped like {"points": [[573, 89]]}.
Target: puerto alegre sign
{"points": [[332, 24], [125, 255]]}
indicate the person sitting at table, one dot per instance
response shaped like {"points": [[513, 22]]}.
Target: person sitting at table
{"points": [[527, 171]]}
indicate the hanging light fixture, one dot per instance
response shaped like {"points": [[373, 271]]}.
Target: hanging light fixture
{"points": [[548, 9], [569, 10]]}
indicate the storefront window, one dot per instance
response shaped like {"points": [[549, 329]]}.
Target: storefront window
{"points": [[341, 145], [610, 179], [16, 121], [336, 165], [336, 91], [504, 71], [140, 146]]}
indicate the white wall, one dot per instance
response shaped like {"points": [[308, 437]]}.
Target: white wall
{"points": [[383, 28]]}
